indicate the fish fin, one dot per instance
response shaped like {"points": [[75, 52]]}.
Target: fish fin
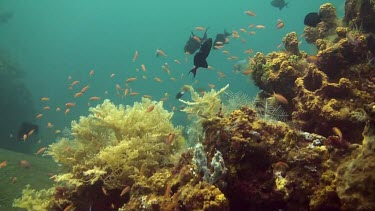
{"points": [[194, 71]]}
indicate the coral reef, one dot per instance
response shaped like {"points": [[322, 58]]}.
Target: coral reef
{"points": [[360, 13], [326, 27], [110, 148]]}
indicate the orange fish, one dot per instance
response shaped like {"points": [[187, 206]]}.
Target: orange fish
{"points": [[197, 39], [169, 138], [67, 111], [3, 164], [58, 109], [151, 108], [157, 79], [49, 125], [112, 75], [212, 86], [69, 207], [30, 132], [135, 56], [280, 24], [130, 80], [74, 83], [69, 105], [39, 116], [260, 26], [249, 13], [24, 137], [337, 132], [165, 68], [126, 92], [84, 89], [47, 108], [249, 51], [143, 67], [44, 99], [41, 150], [159, 52], [147, 96], [105, 192], [132, 94], [178, 62], [251, 25], [78, 94], [94, 98], [281, 99], [125, 191], [243, 30], [200, 28], [226, 52], [247, 72], [91, 73], [118, 87]]}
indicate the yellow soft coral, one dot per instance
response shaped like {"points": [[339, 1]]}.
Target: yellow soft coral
{"points": [[116, 143], [206, 106], [35, 200]]}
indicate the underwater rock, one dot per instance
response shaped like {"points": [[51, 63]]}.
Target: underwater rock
{"points": [[324, 28], [291, 43], [359, 15]]}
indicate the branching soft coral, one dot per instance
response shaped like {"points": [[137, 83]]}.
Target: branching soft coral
{"points": [[115, 143], [34, 200], [206, 106]]}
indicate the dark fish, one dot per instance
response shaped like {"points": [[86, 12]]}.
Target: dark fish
{"points": [[220, 39], [312, 19], [279, 4], [25, 128], [192, 45], [180, 94], [201, 56]]}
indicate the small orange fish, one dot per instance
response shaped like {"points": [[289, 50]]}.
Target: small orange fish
{"points": [[147, 96], [105, 192], [212, 86], [337, 132], [178, 62], [74, 83], [126, 92], [159, 52], [249, 51], [252, 33], [84, 89], [41, 150], [31, 132], [24, 137], [78, 94], [143, 67], [281, 99], [69, 105], [260, 26], [47, 108], [251, 26], [94, 98], [151, 108], [44, 99], [169, 138], [132, 94], [57, 131], [125, 191], [58, 109], [165, 68], [112, 75], [135, 56], [118, 87], [197, 39], [226, 52], [67, 111], [157, 79], [130, 80], [280, 24], [243, 30], [91, 73], [39, 116], [49, 125], [69, 207], [249, 13], [247, 72], [200, 28], [3, 164]]}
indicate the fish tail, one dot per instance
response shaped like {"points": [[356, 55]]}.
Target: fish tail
{"points": [[194, 71]]}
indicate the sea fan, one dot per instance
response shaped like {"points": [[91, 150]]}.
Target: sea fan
{"points": [[269, 109], [235, 100]]}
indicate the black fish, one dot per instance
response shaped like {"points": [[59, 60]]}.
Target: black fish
{"points": [[279, 4], [192, 44], [312, 19], [201, 56], [180, 94], [25, 128], [220, 39]]}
